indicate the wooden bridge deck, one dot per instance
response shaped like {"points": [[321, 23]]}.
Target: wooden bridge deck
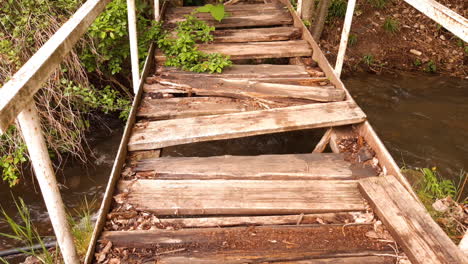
{"points": [[290, 208]]}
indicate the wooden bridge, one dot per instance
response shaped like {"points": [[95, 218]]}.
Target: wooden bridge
{"points": [[343, 202]]}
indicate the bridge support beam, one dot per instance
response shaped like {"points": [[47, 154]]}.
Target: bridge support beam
{"points": [[32, 133]]}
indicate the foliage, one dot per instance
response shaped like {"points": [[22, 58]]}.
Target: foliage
{"points": [[109, 33], [391, 25], [10, 163], [26, 233], [378, 3], [417, 62], [107, 100], [435, 187], [431, 67], [217, 11], [352, 39], [181, 51], [82, 226], [337, 9], [368, 59]]}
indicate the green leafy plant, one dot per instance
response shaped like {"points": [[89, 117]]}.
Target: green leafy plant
{"points": [[435, 187], [417, 62], [217, 11], [431, 67], [10, 163], [181, 50], [352, 39], [368, 59], [106, 99], [391, 25]]}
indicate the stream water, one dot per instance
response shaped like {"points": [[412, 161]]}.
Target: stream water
{"points": [[422, 119]]}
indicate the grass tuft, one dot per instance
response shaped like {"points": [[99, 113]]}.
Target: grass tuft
{"points": [[391, 25]]}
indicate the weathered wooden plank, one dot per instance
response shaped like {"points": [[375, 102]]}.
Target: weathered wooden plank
{"points": [[18, 93], [173, 18], [302, 219], [245, 71], [385, 258], [304, 81], [251, 244], [191, 106], [410, 224], [326, 166], [300, 238], [250, 19], [252, 89], [255, 50], [260, 50], [256, 34], [237, 197], [158, 134], [185, 10]]}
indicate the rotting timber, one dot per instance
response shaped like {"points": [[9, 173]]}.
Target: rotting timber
{"points": [[351, 205]]}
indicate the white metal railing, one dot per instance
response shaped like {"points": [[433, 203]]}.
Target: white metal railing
{"points": [[17, 102]]}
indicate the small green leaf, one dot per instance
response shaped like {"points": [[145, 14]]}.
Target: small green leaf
{"points": [[205, 9], [218, 12]]}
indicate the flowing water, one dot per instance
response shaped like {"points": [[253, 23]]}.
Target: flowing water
{"points": [[423, 121]]}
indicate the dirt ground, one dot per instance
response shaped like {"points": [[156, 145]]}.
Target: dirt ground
{"points": [[378, 50]]}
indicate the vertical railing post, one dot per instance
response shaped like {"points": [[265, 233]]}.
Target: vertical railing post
{"points": [[132, 31], [300, 5], [157, 12], [344, 37], [32, 134]]}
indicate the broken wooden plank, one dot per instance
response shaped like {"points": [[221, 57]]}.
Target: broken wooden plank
{"points": [[159, 134], [315, 166], [242, 20], [320, 147], [256, 34], [238, 197], [252, 89], [302, 219], [409, 223], [159, 109], [245, 71], [254, 50]]}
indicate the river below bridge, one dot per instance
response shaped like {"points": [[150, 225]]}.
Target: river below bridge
{"points": [[422, 119]]}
